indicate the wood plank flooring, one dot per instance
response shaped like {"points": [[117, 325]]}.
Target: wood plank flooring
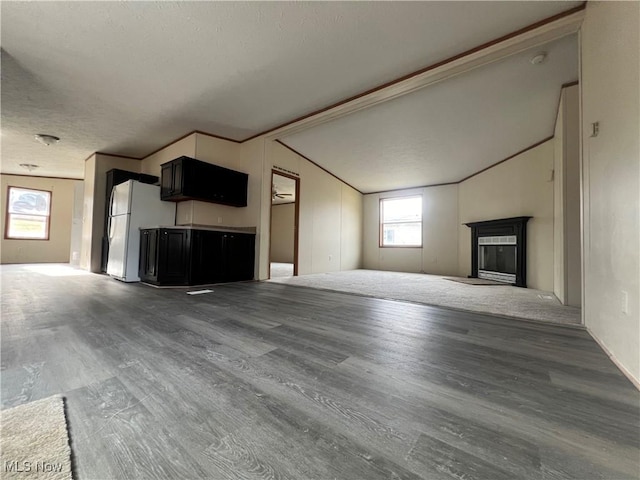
{"points": [[268, 381]]}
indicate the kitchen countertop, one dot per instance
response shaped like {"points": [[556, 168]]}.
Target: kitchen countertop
{"points": [[214, 228]]}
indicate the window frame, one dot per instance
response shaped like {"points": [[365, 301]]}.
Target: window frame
{"points": [[7, 214], [381, 224]]}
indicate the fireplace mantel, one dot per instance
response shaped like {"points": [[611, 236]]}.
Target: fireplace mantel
{"points": [[515, 226]]}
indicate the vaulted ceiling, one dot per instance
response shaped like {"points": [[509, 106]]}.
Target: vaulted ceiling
{"points": [[447, 131], [129, 77]]}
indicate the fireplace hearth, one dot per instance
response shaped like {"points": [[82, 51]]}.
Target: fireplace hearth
{"points": [[499, 250]]}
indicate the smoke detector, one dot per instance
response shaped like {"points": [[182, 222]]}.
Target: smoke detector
{"points": [[539, 58]]}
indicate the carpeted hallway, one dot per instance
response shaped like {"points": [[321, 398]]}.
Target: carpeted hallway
{"points": [[502, 300]]}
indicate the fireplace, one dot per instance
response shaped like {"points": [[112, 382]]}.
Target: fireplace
{"points": [[499, 250]]}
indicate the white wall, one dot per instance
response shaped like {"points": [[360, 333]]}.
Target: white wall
{"points": [[95, 188], [282, 232], [330, 229], [559, 267], [330, 236], [567, 278], [56, 248], [219, 152], [572, 199], [439, 252], [351, 214], [230, 155], [521, 186], [76, 224], [87, 212], [151, 164], [247, 157], [611, 184]]}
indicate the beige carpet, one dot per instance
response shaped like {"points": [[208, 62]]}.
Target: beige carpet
{"points": [[281, 269], [35, 441], [474, 281], [504, 300]]}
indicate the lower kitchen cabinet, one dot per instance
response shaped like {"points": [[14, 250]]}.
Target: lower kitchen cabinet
{"points": [[184, 256], [148, 269], [206, 257], [237, 265]]}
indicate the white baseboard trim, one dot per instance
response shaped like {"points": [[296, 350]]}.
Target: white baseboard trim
{"points": [[622, 368]]}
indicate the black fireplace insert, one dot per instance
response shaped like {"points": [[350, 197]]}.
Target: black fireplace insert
{"points": [[499, 250]]}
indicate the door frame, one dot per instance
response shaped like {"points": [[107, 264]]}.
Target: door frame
{"points": [[296, 219]]}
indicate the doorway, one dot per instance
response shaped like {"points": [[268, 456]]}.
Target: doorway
{"points": [[285, 213]]}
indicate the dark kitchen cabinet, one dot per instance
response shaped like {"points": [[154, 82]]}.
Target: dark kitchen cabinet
{"points": [[206, 257], [171, 185], [174, 247], [237, 256], [115, 177], [148, 254], [164, 256], [186, 178], [176, 256]]}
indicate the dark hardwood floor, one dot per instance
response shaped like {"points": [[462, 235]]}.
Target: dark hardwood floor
{"points": [[268, 381]]}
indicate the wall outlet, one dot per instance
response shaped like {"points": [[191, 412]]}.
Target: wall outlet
{"points": [[625, 302], [219, 219]]}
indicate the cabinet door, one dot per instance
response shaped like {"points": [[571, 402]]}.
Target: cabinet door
{"points": [[229, 188], [174, 256], [149, 255], [177, 178], [172, 183], [206, 257], [166, 182], [237, 189], [197, 179], [238, 253]]}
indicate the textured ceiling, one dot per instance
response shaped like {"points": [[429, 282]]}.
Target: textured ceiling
{"points": [[128, 77], [449, 130]]}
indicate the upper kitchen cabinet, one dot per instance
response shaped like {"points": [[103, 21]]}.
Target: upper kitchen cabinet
{"points": [[186, 178]]}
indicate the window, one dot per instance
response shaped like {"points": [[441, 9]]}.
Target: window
{"points": [[401, 222], [28, 214]]}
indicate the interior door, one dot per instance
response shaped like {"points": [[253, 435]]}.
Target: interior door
{"points": [[293, 196]]}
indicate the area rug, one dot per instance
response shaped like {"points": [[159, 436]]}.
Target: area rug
{"points": [[35, 441], [475, 281]]}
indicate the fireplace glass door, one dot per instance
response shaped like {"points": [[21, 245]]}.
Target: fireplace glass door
{"points": [[497, 261]]}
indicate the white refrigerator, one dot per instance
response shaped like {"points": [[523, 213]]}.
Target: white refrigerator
{"points": [[133, 205]]}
